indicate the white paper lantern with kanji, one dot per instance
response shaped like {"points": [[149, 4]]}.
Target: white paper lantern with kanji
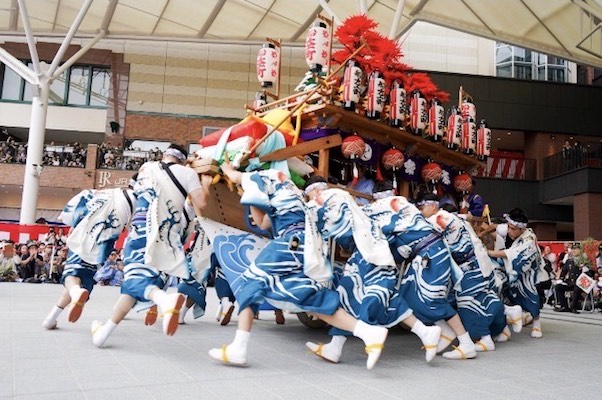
{"points": [[317, 44], [268, 59]]}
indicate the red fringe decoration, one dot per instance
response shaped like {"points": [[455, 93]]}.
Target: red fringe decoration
{"points": [[382, 54]]}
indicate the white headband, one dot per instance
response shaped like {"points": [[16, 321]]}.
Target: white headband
{"points": [[384, 194], [315, 186], [175, 153], [428, 203], [520, 225]]}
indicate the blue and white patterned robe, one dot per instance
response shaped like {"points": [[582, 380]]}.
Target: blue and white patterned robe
{"points": [[479, 307], [412, 239], [97, 218], [368, 288], [154, 242], [521, 265], [288, 277]]}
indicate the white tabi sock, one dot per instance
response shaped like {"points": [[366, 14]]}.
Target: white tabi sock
{"points": [[236, 352], [50, 321], [183, 312], [514, 317], [447, 335], [374, 337], [429, 335], [466, 349], [101, 332], [331, 351], [485, 343], [536, 331], [74, 291], [504, 336]]}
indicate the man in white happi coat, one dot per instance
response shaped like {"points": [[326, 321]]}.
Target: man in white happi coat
{"points": [[97, 218], [154, 244]]}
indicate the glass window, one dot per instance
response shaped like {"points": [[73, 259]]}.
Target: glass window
{"points": [[523, 55], [503, 54], [504, 71], [101, 81], [11, 85], [556, 74], [192, 147], [523, 71], [28, 93], [57, 89], [541, 73], [78, 86]]}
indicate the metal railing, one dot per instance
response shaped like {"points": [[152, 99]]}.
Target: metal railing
{"points": [[571, 159]]}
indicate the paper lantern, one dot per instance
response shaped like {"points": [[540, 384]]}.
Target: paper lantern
{"points": [[352, 79], [418, 113], [436, 121], [453, 134], [392, 159], [483, 147], [317, 44], [268, 60], [261, 99], [431, 172], [353, 147], [469, 136], [468, 110], [397, 102], [463, 183], [376, 95]]}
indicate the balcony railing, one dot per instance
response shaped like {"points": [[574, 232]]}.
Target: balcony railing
{"points": [[71, 155], [571, 159]]}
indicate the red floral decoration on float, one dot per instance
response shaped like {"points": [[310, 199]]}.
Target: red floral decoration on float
{"points": [[353, 147]]}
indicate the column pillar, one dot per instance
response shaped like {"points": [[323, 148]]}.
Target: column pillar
{"points": [[587, 209]]}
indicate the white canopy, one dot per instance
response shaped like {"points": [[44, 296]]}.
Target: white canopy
{"points": [[570, 29]]}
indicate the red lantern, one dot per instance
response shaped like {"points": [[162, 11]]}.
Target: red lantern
{"points": [[393, 159], [353, 147], [268, 61], [432, 172], [376, 95], [469, 136], [469, 110], [317, 44], [463, 183]]}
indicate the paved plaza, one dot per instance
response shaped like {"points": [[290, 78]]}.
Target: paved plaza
{"points": [[139, 362]]}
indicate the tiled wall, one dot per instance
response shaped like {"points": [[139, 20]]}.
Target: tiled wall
{"points": [[200, 79]]}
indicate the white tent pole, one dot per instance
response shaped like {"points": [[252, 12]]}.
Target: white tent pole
{"points": [[396, 19], [72, 30], [16, 65], [363, 7], [33, 51], [35, 150], [79, 54], [329, 10]]}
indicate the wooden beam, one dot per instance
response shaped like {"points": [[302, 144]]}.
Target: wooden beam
{"points": [[304, 148]]}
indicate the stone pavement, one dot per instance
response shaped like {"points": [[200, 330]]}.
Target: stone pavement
{"points": [[140, 362]]}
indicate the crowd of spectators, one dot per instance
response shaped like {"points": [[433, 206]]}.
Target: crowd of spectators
{"points": [[43, 261], [68, 155], [130, 158]]}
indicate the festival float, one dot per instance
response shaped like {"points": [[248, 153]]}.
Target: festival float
{"points": [[357, 105]]}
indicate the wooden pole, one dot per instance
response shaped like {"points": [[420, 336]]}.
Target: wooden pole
{"points": [[300, 104]]}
